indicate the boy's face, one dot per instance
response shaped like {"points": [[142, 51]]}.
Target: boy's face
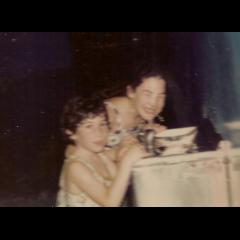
{"points": [[92, 134]]}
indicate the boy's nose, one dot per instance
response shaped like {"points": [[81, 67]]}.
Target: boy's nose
{"points": [[98, 131]]}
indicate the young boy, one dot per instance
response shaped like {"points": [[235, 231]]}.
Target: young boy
{"points": [[89, 177]]}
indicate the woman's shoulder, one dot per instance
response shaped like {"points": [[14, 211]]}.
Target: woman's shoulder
{"points": [[122, 104], [119, 101]]}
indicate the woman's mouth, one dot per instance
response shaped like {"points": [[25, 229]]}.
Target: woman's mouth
{"points": [[149, 111]]}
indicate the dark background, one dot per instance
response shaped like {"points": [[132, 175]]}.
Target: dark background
{"points": [[40, 71]]}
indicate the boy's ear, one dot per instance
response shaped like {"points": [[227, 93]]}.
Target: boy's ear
{"points": [[130, 92]]}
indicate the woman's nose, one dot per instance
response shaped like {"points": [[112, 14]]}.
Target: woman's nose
{"points": [[152, 102]]}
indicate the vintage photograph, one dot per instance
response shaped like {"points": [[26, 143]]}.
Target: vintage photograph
{"points": [[120, 119]]}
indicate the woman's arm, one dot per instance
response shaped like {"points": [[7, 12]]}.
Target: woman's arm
{"points": [[104, 196]]}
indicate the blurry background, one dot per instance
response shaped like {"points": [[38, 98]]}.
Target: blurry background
{"points": [[40, 71]]}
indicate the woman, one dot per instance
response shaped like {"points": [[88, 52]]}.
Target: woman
{"points": [[144, 102]]}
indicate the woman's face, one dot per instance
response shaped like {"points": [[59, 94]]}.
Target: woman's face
{"points": [[149, 98], [92, 134]]}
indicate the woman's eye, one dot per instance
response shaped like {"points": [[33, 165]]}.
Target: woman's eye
{"points": [[88, 126]]}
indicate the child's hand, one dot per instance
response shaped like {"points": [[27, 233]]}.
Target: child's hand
{"points": [[129, 141], [133, 154], [124, 146]]}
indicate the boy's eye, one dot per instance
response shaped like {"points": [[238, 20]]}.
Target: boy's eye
{"points": [[147, 93]]}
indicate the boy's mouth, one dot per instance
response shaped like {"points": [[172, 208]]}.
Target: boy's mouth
{"points": [[99, 143]]}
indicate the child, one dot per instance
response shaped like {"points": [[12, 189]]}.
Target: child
{"points": [[90, 177]]}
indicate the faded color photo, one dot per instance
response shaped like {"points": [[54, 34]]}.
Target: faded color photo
{"points": [[119, 119]]}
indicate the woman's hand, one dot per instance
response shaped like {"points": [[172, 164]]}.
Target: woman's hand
{"points": [[157, 127]]}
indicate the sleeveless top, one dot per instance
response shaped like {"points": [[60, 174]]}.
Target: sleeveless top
{"points": [[67, 199]]}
